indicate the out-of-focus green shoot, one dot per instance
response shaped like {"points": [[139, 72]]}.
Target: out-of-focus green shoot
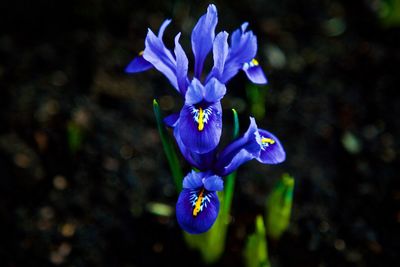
{"points": [[212, 243], [389, 12], [75, 134], [279, 207], [256, 96], [256, 251], [169, 148]]}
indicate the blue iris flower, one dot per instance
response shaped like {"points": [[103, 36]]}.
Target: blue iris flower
{"points": [[198, 205], [200, 121], [198, 126]]}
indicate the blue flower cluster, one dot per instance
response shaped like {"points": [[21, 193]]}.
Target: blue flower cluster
{"points": [[197, 127]]}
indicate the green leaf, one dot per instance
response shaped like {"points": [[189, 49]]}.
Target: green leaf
{"points": [[279, 207], [169, 148], [256, 251]]}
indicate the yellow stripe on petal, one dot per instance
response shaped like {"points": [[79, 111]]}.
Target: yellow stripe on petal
{"points": [[198, 203], [269, 141], [200, 120], [254, 62]]}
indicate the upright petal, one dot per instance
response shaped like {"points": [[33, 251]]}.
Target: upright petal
{"points": [[197, 210], [213, 183], [193, 180], [243, 49], [220, 53], [195, 93], [157, 54], [162, 28], [200, 127], [181, 66], [202, 38], [214, 91]]}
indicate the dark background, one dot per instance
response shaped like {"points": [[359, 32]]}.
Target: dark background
{"points": [[80, 156]]}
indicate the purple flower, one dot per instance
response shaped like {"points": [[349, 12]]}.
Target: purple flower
{"points": [[228, 60], [254, 144], [198, 205]]}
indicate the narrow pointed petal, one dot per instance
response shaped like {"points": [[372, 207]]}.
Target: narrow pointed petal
{"points": [[157, 54], [162, 28], [272, 151], [208, 208], [181, 66], [214, 183], [255, 74], [193, 180], [138, 64], [195, 93], [202, 38], [204, 137], [243, 49], [220, 53], [214, 91]]}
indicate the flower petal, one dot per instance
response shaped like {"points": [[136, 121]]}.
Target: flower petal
{"points": [[243, 49], [202, 38], [138, 64], [162, 28], [207, 204], [214, 91], [239, 151], [193, 180], [220, 53], [157, 54], [195, 93], [272, 151], [214, 183], [171, 120], [254, 73], [181, 66], [200, 129]]}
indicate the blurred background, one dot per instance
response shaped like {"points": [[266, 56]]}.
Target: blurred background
{"points": [[81, 162]]}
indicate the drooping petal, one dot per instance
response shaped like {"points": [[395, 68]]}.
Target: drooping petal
{"points": [[272, 151], [138, 64], [202, 38], [202, 162], [157, 54], [241, 150], [195, 93], [214, 183], [200, 127], [181, 66], [254, 72], [197, 210], [220, 53], [171, 120], [193, 180], [214, 91]]}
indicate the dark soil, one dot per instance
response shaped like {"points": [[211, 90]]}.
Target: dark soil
{"points": [[81, 159]]}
